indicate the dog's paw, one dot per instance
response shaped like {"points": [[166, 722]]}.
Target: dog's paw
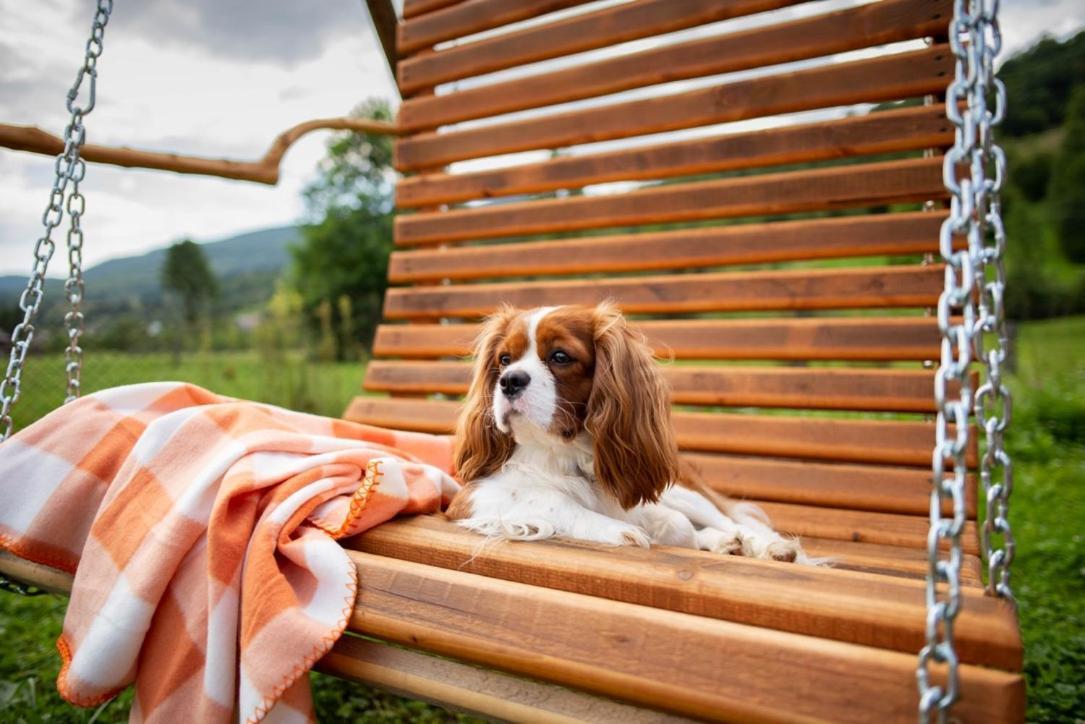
{"points": [[621, 534], [718, 541], [786, 550], [509, 529]]}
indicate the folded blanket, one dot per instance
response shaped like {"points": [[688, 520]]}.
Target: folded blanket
{"points": [[201, 531]]}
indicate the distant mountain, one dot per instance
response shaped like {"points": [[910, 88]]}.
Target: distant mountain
{"points": [[257, 253]]}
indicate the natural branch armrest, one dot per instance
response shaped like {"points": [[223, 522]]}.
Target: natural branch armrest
{"points": [[35, 574], [266, 170]]}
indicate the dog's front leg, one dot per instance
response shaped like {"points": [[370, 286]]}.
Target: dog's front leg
{"points": [[534, 513]]}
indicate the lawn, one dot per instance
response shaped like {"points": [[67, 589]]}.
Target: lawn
{"points": [[1047, 444]]}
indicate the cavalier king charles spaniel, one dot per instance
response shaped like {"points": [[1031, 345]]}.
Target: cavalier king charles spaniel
{"points": [[566, 432]]}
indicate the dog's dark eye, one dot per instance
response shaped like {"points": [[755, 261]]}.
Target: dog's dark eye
{"points": [[504, 360], [559, 357]]}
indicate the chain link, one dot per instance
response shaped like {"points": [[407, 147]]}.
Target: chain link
{"points": [[70, 170], [969, 308]]}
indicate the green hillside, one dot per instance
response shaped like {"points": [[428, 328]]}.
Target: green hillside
{"points": [[247, 266]]}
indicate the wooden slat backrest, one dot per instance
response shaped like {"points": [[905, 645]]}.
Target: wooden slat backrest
{"points": [[769, 225]]}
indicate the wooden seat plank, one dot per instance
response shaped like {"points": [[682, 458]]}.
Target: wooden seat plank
{"points": [[819, 388], [871, 287], [642, 654], [826, 338], [468, 18], [856, 487], [847, 440], [848, 236], [875, 184], [906, 129], [842, 187], [607, 26], [860, 526], [812, 37], [846, 606], [885, 560], [492, 694], [886, 78]]}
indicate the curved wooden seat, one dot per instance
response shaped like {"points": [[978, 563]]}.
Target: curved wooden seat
{"points": [[782, 268]]}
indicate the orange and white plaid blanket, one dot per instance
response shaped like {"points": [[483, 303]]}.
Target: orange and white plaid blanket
{"points": [[202, 534]]}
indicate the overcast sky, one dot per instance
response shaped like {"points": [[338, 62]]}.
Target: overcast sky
{"points": [[219, 78]]}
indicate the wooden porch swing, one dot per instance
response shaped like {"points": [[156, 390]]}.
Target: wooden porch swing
{"points": [[808, 389]]}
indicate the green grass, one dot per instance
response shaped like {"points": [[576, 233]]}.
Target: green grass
{"points": [[1047, 512], [1047, 444], [282, 379]]}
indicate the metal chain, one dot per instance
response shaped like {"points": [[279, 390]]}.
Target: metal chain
{"points": [[969, 306], [70, 169], [993, 407]]}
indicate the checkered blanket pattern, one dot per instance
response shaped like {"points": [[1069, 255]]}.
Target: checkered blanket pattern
{"points": [[202, 534]]}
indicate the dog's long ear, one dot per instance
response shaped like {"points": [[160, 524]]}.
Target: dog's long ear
{"points": [[481, 449], [629, 414]]}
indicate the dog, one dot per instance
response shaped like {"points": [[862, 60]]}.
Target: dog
{"points": [[566, 432]]}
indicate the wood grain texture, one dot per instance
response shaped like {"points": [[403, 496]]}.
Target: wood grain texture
{"points": [[879, 488], [599, 29], [892, 77], [643, 655], [857, 338], [907, 129], [492, 694], [469, 17], [873, 610], [860, 526], [849, 236], [869, 288], [812, 37], [885, 560], [892, 390], [817, 438], [875, 184]]}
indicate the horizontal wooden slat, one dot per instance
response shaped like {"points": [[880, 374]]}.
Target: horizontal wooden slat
{"points": [[885, 560], [891, 390], [736, 672], [492, 694], [850, 29], [848, 440], [599, 29], [822, 189], [842, 605], [467, 18], [892, 77], [883, 287], [860, 526], [877, 488], [859, 338], [414, 8], [888, 234], [906, 129]]}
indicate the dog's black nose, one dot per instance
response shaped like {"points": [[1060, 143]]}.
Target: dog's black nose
{"points": [[513, 382]]}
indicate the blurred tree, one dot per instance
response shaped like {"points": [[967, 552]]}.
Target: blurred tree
{"points": [[186, 274], [1039, 83], [347, 241], [1068, 181], [1031, 174]]}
